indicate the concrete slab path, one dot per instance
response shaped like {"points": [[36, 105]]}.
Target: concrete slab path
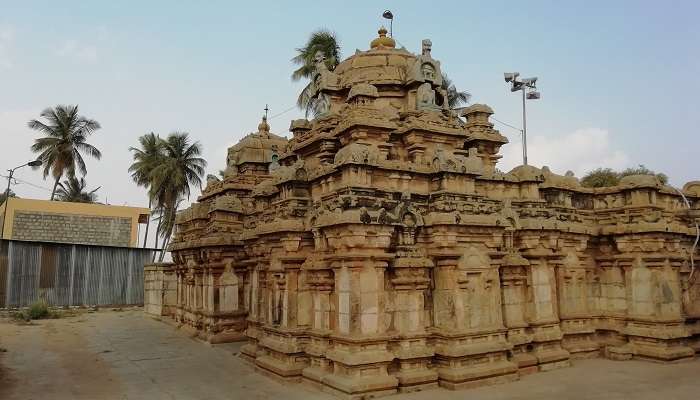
{"points": [[127, 355]]}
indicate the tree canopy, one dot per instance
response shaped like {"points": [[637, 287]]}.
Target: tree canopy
{"points": [[323, 41], [74, 190], [64, 142], [604, 177], [168, 168]]}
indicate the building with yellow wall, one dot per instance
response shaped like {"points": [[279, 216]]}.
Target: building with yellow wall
{"points": [[76, 223]]}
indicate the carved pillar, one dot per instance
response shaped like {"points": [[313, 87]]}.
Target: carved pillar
{"points": [[224, 314], [574, 313], [254, 295], [410, 279], [360, 353], [470, 340], [655, 327], [514, 284], [281, 345], [543, 315], [319, 313]]}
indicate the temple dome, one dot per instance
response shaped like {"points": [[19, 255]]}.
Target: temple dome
{"points": [[639, 180], [258, 147], [383, 64], [567, 181], [527, 173]]}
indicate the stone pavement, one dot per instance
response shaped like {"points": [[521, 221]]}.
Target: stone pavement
{"points": [[126, 355]]}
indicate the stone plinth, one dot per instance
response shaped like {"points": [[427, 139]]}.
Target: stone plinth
{"points": [[160, 290]]}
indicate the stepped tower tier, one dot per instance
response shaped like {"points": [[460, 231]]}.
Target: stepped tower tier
{"points": [[380, 249]]}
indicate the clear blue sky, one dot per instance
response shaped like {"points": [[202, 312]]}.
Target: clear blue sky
{"points": [[619, 79]]}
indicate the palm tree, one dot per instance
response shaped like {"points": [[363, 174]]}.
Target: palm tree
{"points": [[74, 190], [146, 158], [455, 98], [64, 142], [180, 168], [327, 43]]}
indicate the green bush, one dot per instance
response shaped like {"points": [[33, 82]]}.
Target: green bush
{"points": [[38, 310]]}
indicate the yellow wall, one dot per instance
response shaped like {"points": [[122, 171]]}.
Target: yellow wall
{"points": [[59, 207]]}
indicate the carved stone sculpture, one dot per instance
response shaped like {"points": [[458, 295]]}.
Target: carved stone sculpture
{"points": [[381, 252]]}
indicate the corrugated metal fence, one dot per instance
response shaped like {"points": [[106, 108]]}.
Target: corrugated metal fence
{"points": [[70, 275]]}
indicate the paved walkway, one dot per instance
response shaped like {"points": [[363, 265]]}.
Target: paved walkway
{"points": [[126, 355]]}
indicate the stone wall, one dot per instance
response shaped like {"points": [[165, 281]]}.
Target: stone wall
{"points": [[160, 289], [380, 250], [71, 228]]}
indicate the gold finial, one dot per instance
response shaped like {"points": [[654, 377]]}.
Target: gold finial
{"points": [[383, 40], [264, 127]]}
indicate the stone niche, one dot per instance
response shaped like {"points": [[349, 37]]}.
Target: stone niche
{"points": [[380, 250]]}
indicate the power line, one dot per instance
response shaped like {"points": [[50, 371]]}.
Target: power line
{"points": [[508, 125], [27, 183], [283, 112]]}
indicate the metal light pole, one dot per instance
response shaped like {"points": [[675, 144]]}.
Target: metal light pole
{"points": [[532, 94], [34, 163], [388, 15]]}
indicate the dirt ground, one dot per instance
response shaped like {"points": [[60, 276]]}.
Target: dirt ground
{"points": [[127, 355]]}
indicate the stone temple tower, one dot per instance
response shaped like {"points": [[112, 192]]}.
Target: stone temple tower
{"points": [[380, 248]]}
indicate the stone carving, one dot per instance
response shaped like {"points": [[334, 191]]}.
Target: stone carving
{"points": [[384, 251], [322, 104], [424, 68], [362, 94], [425, 97], [427, 46]]}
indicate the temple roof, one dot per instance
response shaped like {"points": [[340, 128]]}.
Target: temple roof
{"points": [[257, 147]]}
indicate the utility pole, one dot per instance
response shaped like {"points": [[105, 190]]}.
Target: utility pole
{"points": [[11, 171]]}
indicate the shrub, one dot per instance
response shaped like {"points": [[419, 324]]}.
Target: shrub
{"points": [[605, 177], [38, 310]]}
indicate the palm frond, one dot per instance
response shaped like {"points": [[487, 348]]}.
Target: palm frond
{"points": [[455, 98], [64, 140]]}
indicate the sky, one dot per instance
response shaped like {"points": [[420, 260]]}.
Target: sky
{"points": [[619, 79]]}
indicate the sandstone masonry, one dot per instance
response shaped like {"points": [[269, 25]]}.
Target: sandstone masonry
{"points": [[381, 250]]}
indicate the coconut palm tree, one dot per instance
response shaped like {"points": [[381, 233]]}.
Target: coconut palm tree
{"points": [[146, 157], [64, 142], [180, 168], [455, 98], [327, 43], [74, 190]]}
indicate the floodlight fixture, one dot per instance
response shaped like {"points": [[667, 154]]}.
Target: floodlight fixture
{"points": [[390, 16], [530, 82], [531, 94], [510, 76]]}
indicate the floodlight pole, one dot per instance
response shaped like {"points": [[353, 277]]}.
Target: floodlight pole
{"points": [[523, 85]]}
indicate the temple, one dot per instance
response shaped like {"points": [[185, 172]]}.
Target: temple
{"points": [[381, 250]]}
